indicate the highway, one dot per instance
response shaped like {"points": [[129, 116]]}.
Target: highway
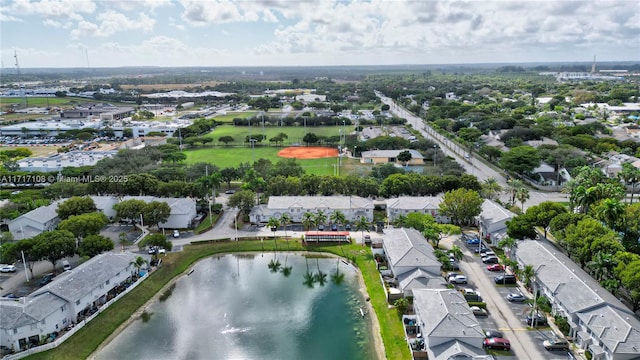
{"points": [[468, 161]]}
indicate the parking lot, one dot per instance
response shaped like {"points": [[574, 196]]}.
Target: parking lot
{"points": [[503, 315]]}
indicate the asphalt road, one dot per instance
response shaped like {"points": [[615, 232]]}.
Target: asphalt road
{"points": [[468, 161]]}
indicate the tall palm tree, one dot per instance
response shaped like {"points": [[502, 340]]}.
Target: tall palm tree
{"points": [[320, 218], [630, 175], [273, 223], [507, 243], [522, 195], [513, 186], [285, 220], [491, 188], [601, 266], [527, 275], [338, 217], [307, 220], [362, 224], [610, 211]]}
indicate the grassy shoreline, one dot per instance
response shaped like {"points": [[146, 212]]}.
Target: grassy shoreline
{"points": [[82, 344]]}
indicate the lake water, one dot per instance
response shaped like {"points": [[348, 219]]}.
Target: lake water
{"points": [[237, 307]]}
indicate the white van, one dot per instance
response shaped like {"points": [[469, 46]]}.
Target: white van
{"points": [[65, 265]]}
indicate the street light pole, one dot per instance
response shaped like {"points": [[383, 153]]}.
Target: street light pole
{"points": [[435, 154]]}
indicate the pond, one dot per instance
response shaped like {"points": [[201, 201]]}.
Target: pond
{"points": [[254, 306]]}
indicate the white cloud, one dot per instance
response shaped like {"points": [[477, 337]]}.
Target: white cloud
{"points": [[9, 18], [53, 8], [112, 22]]}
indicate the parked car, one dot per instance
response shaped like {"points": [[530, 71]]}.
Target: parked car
{"points": [[47, 278], [152, 250], [230, 192], [478, 311], [483, 249], [8, 268], [497, 343], [556, 344], [320, 227], [513, 297], [538, 318], [455, 266], [490, 260], [334, 227], [495, 267], [505, 279], [347, 227], [65, 265], [458, 279], [176, 233], [473, 241], [492, 334]]}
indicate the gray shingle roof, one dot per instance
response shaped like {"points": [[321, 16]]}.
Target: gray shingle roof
{"points": [[445, 313], [74, 284], [415, 202], [420, 279], [407, 247], [609, 319], [452, 349], [493, 212], [319, 202]]}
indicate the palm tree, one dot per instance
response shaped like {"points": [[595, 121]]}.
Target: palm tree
{"points": [[514, 186], [212, 182], [491, 188], [123, 240], [138, 262], [630, 175], [400, 221], [307, 220], [610, 211], [457, 252], [273, 223], [338, 217], [527, 275], [507, 243], [320, 218], [522, 195], [285, 220], [361, 225], [601, 266]]}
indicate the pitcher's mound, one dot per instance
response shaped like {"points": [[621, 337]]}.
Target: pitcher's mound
{"points": [[304, 152]]}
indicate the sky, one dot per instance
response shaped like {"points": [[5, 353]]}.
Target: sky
{"points": [[114, 33]]}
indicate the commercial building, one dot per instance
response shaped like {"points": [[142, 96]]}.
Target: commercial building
{"points": [[391, 156]]}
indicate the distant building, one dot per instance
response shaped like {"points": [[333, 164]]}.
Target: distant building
{"points": [[104, 112], [390, 156], [493, 221], [404, 205], [57, 162], [353, 207], [36, 221]]}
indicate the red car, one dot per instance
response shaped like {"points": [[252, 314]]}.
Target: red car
{"points": [[497, 343], [495, 267]]}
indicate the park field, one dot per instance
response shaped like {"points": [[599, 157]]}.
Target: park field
{"points": [[295, 133], [228, 118], [234, 156]]}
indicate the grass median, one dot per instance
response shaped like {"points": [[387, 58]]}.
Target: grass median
{"points": [[89, 338]]}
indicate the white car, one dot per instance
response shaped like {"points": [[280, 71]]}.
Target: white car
{"points": [[176, 233], [162, 251], [8, 268], [458, 279]]}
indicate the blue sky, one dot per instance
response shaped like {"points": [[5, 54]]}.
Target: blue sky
{"points": [[61, 33]]}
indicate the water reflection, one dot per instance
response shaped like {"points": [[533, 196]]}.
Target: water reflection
{"points": [[238, 307]]}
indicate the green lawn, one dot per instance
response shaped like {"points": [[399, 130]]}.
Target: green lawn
{"points": [[6, 102], [233, 156], [295, 133], [87, 340], [232, 115]]}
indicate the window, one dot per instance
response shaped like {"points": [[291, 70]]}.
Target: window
{"points": [[78, 302]]}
